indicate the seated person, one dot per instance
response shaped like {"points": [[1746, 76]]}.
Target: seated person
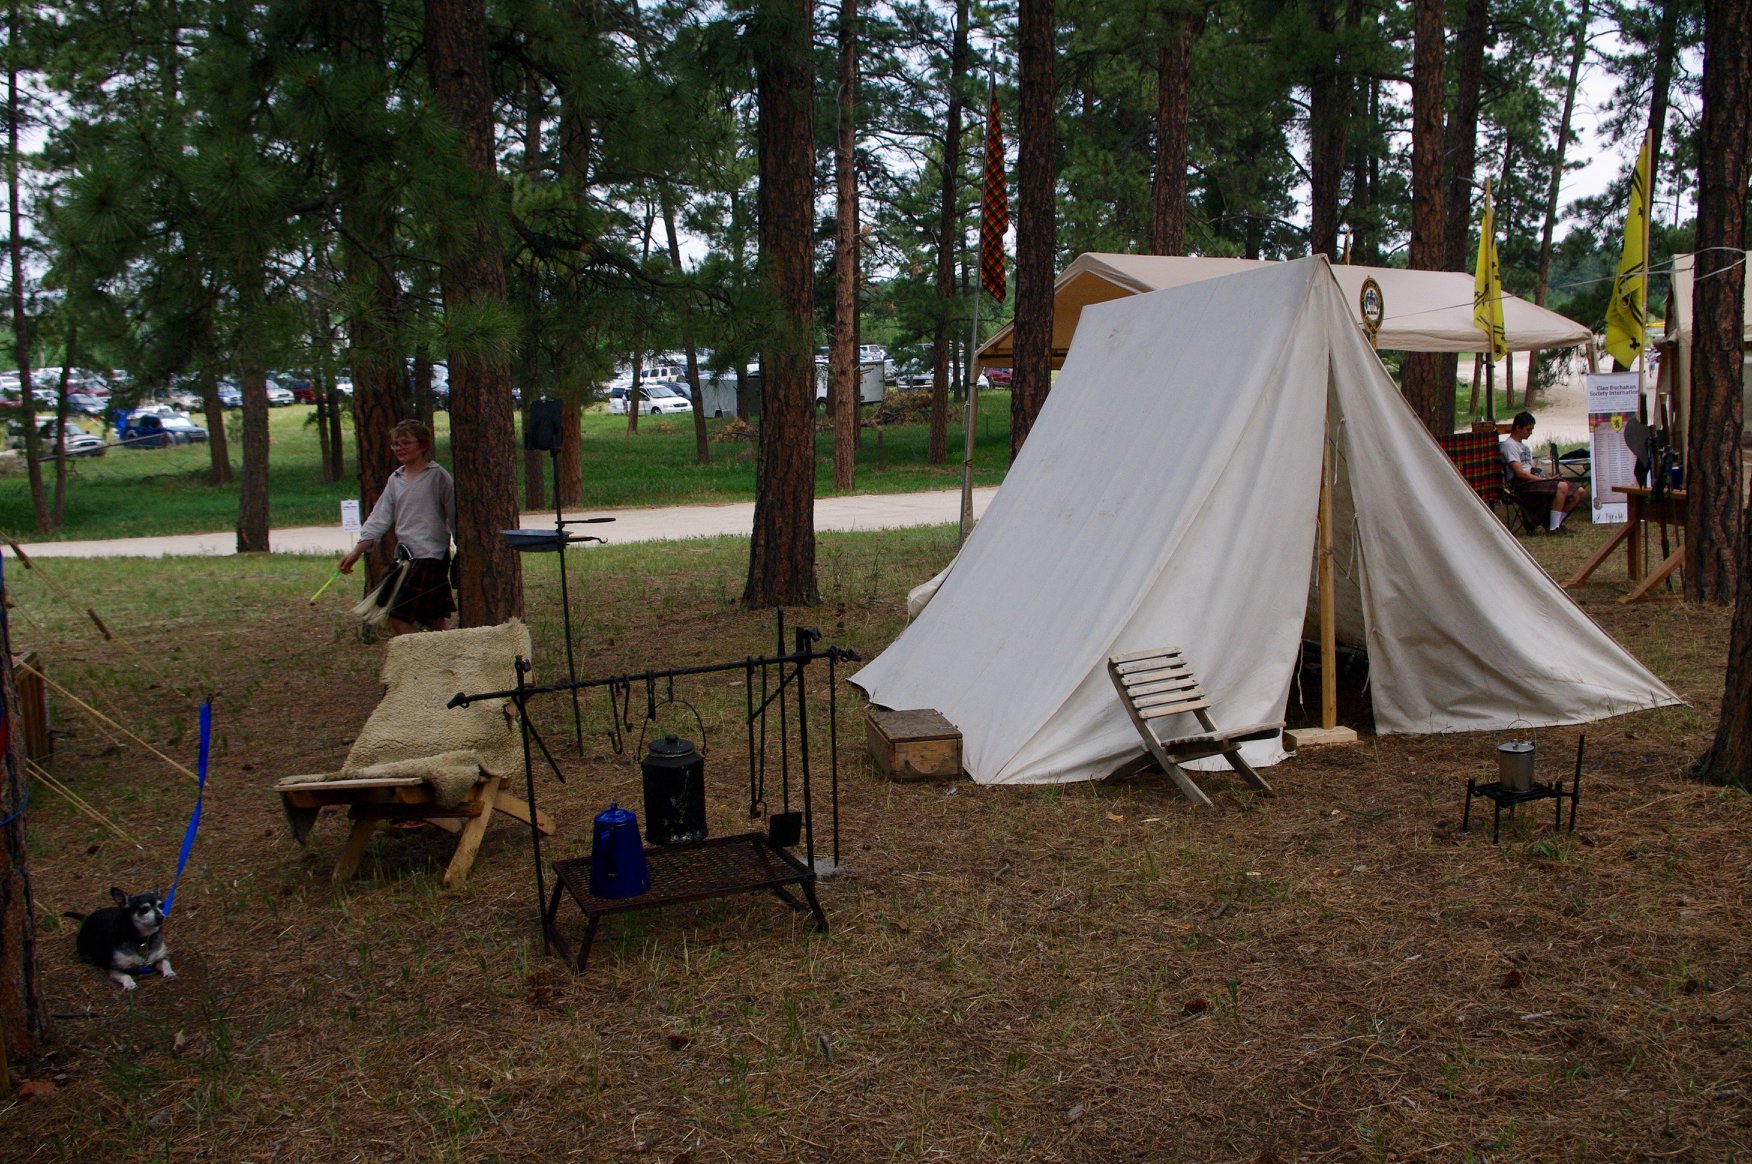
{"points": [[1527, 482]]}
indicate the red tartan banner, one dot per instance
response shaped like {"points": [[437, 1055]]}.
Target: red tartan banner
{"points": [[994, 215]]}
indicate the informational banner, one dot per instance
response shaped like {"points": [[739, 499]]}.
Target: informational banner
{"points": [[1612, 399], [350, 515]]}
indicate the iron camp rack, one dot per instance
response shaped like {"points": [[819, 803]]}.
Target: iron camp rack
{"points": [[775, 688]]}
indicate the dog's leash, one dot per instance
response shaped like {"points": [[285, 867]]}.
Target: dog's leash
{"points": [[200, 792]]}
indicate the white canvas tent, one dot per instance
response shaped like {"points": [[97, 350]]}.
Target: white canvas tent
{"points": [[1167, 495], [1678, 343], [1426, 311]]}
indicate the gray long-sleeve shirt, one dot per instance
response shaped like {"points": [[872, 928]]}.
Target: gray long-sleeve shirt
{"points": [[422, 511]]}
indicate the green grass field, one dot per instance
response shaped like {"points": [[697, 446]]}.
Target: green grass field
{"points": [[143, 492]]}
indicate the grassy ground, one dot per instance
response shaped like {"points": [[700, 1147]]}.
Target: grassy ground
{"points": [[139, 492], [1083, 974]]}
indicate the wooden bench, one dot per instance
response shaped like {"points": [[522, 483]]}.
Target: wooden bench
{"points": [[374, 800], [1157, 688]]}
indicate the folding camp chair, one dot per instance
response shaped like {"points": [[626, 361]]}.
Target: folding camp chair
{"points": [[1477, 458], [1158, 689]]}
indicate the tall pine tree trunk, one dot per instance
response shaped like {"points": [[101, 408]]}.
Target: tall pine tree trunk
{"points": [[21, 331], [1577, 54], [1037, 145], [1420, 370], [1460, 164], [252, 499], [1661, 87], [1173, 111], [1714, 522], [1719, 552], [948, 243], [367, 245], [843, 364], [690, 354], [781, 559], [1329, 91], [218, 440], [482, 432]]}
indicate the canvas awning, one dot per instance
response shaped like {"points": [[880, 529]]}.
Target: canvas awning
{"points": [[1426, 311]]}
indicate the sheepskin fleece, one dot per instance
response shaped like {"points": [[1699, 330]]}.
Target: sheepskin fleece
{"points": [[413, 733]]}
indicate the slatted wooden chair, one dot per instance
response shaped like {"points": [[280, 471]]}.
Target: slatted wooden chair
{"points": [[1159, 689]]}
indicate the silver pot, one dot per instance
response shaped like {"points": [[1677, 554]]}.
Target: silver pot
{"points": [[1515, 765]]}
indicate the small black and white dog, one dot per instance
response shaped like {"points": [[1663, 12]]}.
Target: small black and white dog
{"points": [[126, 936]]}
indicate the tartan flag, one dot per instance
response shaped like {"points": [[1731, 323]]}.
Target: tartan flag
{"points": [[1625, 324], [1487, 283], [994, 212]]}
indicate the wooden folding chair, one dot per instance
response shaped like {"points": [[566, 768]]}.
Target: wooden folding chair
{"points": [[1157, 688]]}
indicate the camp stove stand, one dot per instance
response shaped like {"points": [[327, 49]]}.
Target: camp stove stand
{"points": [[717, 866], [1502, 796]]}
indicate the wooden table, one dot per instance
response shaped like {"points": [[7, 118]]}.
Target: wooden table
{"points": [[1666, 511]]}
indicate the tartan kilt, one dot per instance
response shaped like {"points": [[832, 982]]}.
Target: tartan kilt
{"points": [[425, 593]]}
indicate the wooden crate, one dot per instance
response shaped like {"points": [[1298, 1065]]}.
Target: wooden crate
{"points": [[914, 745]]}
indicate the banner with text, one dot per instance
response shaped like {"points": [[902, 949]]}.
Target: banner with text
{"points": [[1612, 400]]}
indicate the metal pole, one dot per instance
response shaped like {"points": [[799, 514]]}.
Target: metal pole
{"points": [[560, 539]]}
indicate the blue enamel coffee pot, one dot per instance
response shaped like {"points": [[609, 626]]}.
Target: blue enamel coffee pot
{"points": [[617, 855]]}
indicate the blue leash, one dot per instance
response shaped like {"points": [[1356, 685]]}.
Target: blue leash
{"points": [[200, 791]]}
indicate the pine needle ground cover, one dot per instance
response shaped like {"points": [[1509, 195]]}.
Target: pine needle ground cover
{"points": [[1082, 974]]}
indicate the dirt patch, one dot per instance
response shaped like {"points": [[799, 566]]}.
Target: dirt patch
{"points": [[1083, 973]]}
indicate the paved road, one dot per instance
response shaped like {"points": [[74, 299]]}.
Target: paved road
{"points": [[860, 512]]}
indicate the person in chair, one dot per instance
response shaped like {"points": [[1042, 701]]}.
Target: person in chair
{"points": [[1526, 481]]}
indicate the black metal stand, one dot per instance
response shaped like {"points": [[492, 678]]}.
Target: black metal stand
{"points": [[720, 867], [533, 542], [1501, 796], [716, 867]]}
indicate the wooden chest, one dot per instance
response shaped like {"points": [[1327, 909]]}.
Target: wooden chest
{"points": [[914, 745]]}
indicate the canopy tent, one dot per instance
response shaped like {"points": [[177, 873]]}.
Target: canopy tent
{"points": [[1675, 375], [1426, 311], [1167, 496]]}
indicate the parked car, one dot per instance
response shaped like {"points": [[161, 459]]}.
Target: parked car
{"points": [[279, 397], [182, 430], [654, 400], [998, 377], [85, 402], [230, 395], [76, 441], [155, 427]]}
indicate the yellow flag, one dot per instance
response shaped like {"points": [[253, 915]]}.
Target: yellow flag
{"points": [[1487, 283], [1625, 323]]}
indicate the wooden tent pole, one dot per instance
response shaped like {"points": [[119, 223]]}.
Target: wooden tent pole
{"points": [[1372, 308]]}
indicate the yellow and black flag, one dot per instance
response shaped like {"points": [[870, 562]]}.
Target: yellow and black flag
{"points": [[1487, 283], [994, 214], [1626, 322]]}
